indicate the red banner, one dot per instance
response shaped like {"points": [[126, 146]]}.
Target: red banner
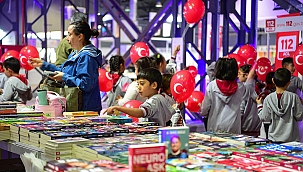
{"points": [[286, 44]]}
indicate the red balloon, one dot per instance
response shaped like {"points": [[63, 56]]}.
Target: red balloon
{"points": [[194, 102], [298, 59], [262, 69], [263, 60], [193, 11], [138, 50], [105, 81], [8, 54], [249, 53], [133, 104], [193, 70], [27, 53], [240, 60], [182, 85]]}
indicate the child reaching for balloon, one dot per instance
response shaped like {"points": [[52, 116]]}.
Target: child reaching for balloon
{"points": [[156, 108], [224, 95]]}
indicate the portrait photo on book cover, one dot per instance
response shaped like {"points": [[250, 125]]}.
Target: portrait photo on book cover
{"points": [[177, 148]]}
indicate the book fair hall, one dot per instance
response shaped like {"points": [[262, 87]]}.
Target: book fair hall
{"points": [[151, 85]]}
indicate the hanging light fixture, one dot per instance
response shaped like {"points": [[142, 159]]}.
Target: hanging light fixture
{"points": [[126, 9], [158, 4]]}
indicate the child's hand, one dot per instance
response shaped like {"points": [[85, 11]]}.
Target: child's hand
{"points": [[251, 73], [58, 77], [259, 100], [176, 50], [110, 110]]}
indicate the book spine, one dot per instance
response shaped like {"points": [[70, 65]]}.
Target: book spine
{"points": [[8, 111]]}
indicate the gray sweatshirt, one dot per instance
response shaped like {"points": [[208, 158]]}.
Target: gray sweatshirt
{"points": [[3, 78], [157, 109], [224, 111], [211, 71], [16, 90], [284, 126], [112, 95], [295, 84], [250, 119]]}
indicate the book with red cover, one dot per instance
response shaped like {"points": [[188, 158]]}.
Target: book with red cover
{"points": [[251, 153], [283, 160], [147, 157], [69, 165], [111, 166]]}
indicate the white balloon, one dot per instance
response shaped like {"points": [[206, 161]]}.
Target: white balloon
{"points": [[175, 87]]}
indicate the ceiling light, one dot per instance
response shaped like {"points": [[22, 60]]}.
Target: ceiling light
{"points": [[126, 8], [158, 4]]}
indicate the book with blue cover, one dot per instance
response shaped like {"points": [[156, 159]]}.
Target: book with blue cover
{"points": [[176, 140]]}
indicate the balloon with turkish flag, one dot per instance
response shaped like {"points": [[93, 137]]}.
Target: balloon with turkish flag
{"points": [[249, 53], [262, 69], [193, 11], [263, 60], [193, 70], [8, 54], [105, 80], [240, 60], [27, 53], [194, 102], [133, 104], [182, 85], [298, 59], [138, 50]]}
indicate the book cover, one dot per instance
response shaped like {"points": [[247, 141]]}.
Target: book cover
{"points": [[111, 165], [176, 140], [147, 158]]}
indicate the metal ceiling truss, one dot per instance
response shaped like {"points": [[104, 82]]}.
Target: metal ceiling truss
{"points": [[291, 6]]}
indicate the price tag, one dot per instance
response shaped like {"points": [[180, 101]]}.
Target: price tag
{"points": [[287, 43]]}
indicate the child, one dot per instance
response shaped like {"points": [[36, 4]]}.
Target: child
{"points": [[282, 108], [156, 108], [3, 77], [132, 92], [224, 95], [17, 87], [165, 88], [295, 82], [117, 67], [160, 62], [250, 121]]}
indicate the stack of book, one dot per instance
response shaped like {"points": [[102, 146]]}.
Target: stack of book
{"points": [[7, 109], [14, 130], [4, 132], [70, 165], [62, 148], [80, 114], [53, 135]]}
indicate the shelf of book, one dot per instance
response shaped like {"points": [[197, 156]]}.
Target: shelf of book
{"points": [[20, 148]]}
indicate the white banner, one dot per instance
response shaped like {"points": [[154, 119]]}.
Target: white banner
{"points": [[285, 24]]}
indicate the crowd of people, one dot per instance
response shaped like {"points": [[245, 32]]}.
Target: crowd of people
{"points": [[234, 101]]}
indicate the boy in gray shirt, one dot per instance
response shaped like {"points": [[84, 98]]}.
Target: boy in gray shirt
{"points": [[295, 85], [156, 108], [17, 87], [283, 109]]}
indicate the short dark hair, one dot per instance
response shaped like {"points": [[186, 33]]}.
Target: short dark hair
{"points": [[166, 78], [115, 62], [269, 77], [282, 77], [157, 59], [13, 64], [287, 61], [144, 62], [226, 69], [152, 75], [79, 17], [84, 28], [245, 68]]}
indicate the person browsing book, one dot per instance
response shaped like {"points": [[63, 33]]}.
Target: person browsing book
{"points": [[156, 108], [81, 68], [17, 87], [282, 109]]}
